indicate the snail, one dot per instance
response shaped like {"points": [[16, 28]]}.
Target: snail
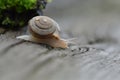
{"points": [[44, 30]]}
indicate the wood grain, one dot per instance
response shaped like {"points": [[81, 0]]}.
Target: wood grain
{"points": [[21, 60], [96, 56]]}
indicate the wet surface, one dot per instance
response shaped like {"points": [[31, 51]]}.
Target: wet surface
{"points": [[95, 56]]}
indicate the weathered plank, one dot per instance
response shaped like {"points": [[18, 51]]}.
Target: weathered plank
{"points": [[96, 56], [21, 60]]}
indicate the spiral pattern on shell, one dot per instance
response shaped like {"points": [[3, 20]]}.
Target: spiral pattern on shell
{"points": [[43, 25]]}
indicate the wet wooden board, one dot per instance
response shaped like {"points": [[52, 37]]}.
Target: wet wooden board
{"points": [[21, 60], [96, 56]]}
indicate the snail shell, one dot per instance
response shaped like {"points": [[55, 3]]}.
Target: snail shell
{"points": [[45, 30], [42, 25]]}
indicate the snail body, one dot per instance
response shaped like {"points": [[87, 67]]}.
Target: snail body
{"points": [[44, 30]]}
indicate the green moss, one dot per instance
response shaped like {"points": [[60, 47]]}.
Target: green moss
{"points": [[19, 5], [16, 13]]}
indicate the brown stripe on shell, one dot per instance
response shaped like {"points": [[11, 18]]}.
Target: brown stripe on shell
{"points": [[35, 34]]}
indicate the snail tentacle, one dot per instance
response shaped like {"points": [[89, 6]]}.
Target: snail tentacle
{"points": [[70, 41]]}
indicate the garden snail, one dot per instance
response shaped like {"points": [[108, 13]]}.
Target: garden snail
{"points": [[45, 30]]}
